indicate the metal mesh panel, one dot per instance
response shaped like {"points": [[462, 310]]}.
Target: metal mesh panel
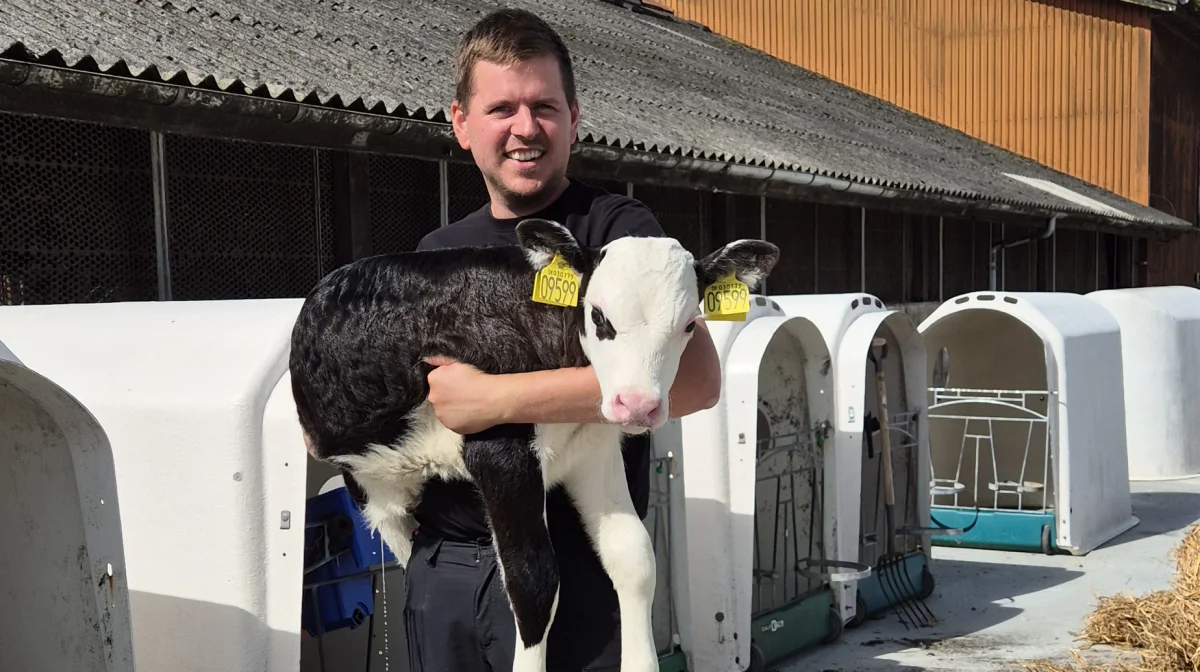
{"points": [[885, 243], [792, 226], [678, 211], [245, 218], [838, 249], [743, 219], [611, 186], [76, 213], [326, 230], [467, 191], [405, 202]]}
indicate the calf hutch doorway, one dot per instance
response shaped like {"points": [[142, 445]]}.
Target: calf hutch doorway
{"points": [[1027, 422], [862, 332], [62, 570], [770, 432]]}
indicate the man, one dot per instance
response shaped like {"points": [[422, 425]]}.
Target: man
{"points": [[515, 111]]}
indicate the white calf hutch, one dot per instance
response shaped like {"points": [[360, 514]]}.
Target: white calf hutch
{"points": [[849, 324], [239, 550], [761, 514], [209, 468], [1027, 429], [62, 568], [1160, 346]]}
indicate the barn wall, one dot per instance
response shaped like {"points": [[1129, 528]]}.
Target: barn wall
{"points": [[255, 220], [1175, 152], [1064, 82]]}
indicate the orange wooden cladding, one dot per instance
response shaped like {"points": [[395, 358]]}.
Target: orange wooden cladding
{"points": [[1064, 82]]}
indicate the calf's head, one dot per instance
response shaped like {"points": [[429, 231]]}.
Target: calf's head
{"points": [[638, 304]]}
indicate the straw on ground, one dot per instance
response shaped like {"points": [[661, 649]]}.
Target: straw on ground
{"points": [[1157, 632]]}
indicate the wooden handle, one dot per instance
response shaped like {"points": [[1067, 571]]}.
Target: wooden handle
{"points": [[885, 435]]}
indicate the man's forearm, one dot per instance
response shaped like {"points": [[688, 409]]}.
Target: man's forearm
{"points": [[558, 395], [698, 384], [573, 395]]}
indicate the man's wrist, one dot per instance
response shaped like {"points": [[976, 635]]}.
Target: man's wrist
{"points": [[503, 387]]}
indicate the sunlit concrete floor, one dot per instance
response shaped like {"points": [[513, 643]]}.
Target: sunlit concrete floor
{"points": [[996, 608]]}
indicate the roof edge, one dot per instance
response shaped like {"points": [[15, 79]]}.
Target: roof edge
{"points": [[618, 164]]}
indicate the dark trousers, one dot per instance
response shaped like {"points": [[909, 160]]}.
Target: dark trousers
{"points": [[459, 620]]}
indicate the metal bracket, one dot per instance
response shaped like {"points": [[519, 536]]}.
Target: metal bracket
{"points": [[857, 570]]}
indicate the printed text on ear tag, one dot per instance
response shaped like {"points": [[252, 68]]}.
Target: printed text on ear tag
{"points": [[727, 299], [557, 284]]}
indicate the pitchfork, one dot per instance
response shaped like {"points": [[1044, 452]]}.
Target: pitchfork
{"points": [[891, 568]]}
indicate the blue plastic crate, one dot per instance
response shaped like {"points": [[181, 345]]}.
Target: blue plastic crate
{"points": [[336, 532]]}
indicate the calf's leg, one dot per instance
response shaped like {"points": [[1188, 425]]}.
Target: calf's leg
{"points": [[598, 486], [507, 471]]}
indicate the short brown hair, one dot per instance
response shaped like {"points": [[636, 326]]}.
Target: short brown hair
{"points": [[507, 37]]}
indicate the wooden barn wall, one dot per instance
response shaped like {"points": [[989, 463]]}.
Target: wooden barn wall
{"points": [[1064, 82], [349, 205], [1175, 153], [822, 248]]}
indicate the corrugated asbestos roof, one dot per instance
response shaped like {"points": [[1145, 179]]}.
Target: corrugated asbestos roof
{"points": [[645, 82]]}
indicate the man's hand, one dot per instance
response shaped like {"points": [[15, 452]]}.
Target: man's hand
{"points": [[463, 397]]}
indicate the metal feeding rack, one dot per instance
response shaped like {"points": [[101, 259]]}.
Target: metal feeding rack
{"points": [[793, 603], [1018, 477]]}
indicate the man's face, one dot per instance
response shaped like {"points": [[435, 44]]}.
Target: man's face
{"points": [[519, 127]]}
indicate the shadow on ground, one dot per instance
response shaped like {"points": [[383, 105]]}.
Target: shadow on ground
{"points": [[1159, 513], [970, 597]]}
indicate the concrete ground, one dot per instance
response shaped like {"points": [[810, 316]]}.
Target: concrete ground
{"points": [[997, 609]]}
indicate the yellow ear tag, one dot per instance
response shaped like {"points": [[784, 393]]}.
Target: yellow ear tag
{"points": [[727, 299], [557, 284]]}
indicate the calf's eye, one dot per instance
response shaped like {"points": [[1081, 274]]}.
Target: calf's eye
{"points": [[604, 328], [690, 327]]}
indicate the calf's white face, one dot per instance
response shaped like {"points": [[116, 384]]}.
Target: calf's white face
{"points": [[640, 300]]}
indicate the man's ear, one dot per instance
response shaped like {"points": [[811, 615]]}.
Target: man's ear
{"points": [[542, 238], [751, 261], [458, 121]]}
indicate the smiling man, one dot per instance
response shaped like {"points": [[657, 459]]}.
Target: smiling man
{"points": [[515, 110]]}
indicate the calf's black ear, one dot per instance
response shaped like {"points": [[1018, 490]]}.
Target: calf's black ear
{"points": [[750, 261], [542, 238]]}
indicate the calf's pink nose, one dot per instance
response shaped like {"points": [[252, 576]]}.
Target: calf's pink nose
{"points": [[636, 405]]}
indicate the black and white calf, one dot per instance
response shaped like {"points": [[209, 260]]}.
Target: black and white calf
{"points": [[360, 389]]}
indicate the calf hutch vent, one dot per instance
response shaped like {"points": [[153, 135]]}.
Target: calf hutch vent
{"points": [[850, 325], [1160, 348], [1027, 422], [761, 514], [209, 465], [62, 568]]}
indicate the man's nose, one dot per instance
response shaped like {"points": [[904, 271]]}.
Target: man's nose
{"points": [[525, 124]]}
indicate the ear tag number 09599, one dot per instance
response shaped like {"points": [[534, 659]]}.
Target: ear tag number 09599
{"points": [[557, 284], [727, 299]]}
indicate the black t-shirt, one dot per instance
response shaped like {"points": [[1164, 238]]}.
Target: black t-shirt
{"points": [[453, 510]]}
